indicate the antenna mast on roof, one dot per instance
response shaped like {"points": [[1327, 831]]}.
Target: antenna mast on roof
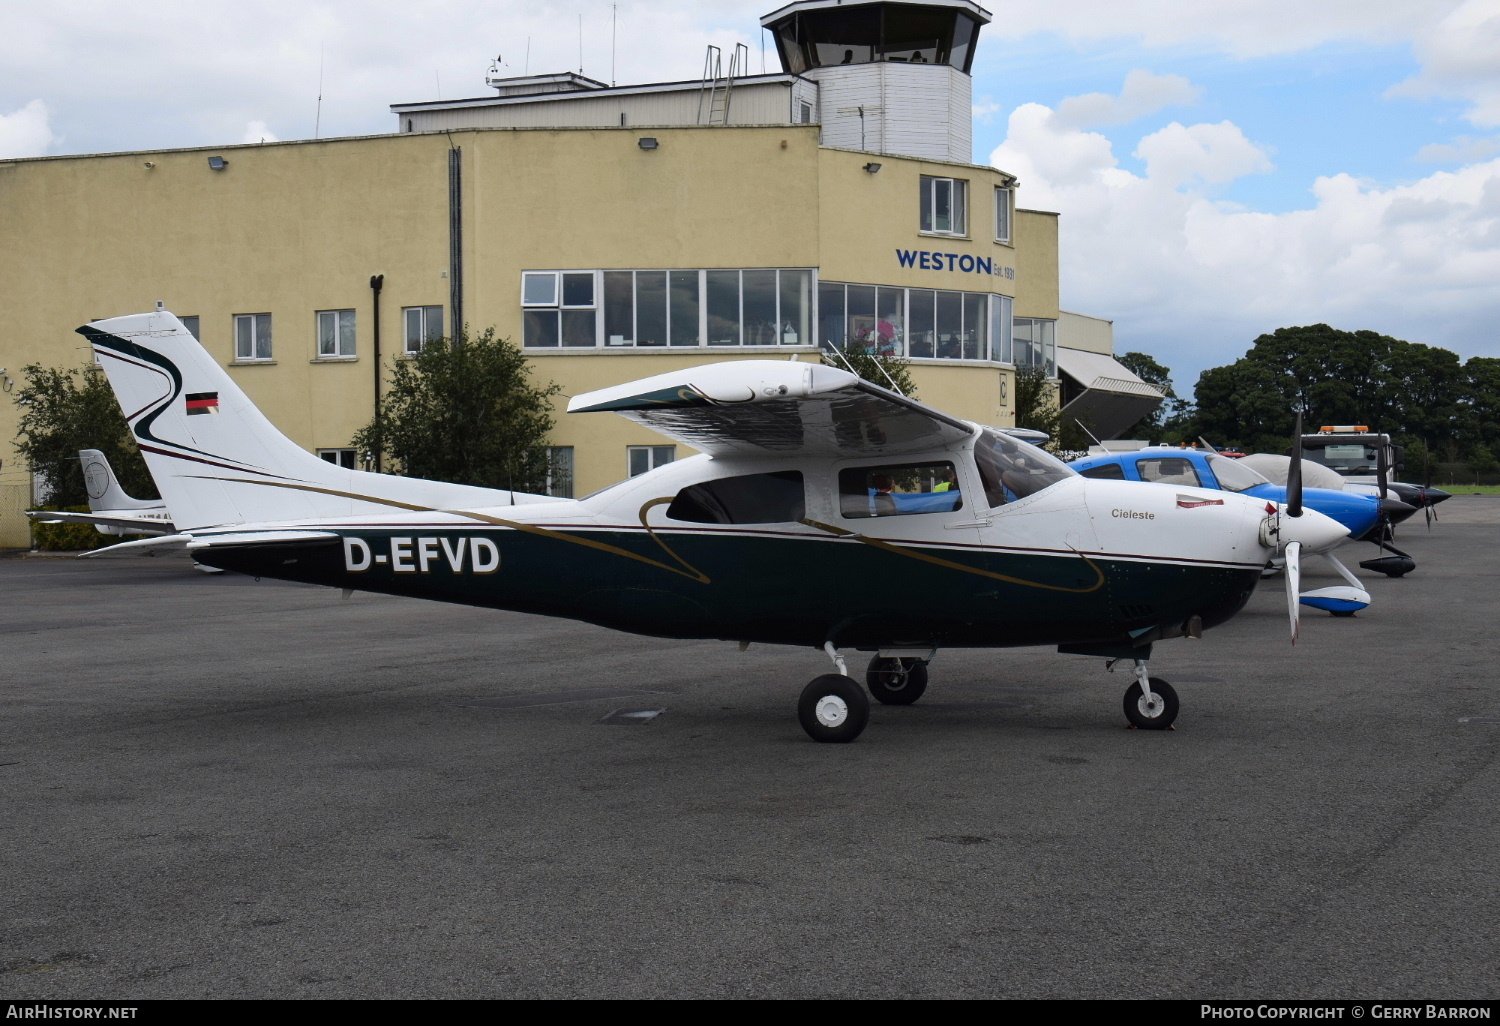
{"points": [[614, 19], [318, 121], [580, 42]]}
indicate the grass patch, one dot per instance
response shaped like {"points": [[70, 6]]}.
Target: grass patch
{"points": [[1465, 489]]}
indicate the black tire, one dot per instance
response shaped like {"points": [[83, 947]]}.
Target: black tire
{"points": [[833, 709], [1147, 719], [896, 681]]}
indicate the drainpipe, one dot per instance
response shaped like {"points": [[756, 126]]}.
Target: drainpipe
{"points": [[377, 282], [455, 238]]}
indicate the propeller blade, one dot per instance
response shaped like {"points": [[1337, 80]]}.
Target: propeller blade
{"points": [[1427, 509], [1381, 470], [1294, 473], [1294, 585]]}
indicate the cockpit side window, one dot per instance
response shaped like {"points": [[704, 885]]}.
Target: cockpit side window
{"points": [[1174, 470], [1011, 469], [894, 490], [1233, 475], [1105, 471], [776, 498]]}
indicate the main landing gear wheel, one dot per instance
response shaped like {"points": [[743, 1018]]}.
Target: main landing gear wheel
{"points": [[1156, 714], [833, 709], [896, 681]]}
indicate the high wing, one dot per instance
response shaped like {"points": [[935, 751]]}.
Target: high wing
{"points": [[761, 407]]}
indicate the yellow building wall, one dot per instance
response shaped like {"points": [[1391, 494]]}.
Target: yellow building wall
{"points": [[293, 228]]}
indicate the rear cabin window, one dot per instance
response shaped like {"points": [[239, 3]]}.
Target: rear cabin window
{"points": [[1011, 469], [1106, 471], [751, 499], [1173, 470], [896, 490]]}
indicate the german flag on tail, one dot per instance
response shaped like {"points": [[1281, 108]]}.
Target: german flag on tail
{"points": [[202, 402]]}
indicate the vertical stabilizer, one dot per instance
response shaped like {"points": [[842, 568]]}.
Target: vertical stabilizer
{"points": [[214, 456], [104, 488]]}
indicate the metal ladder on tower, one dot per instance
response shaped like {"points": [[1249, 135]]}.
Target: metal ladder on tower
{"points": [[717, 88]]}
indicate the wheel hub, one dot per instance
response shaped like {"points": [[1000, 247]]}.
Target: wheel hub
{"points": [[832, 710], [1151, 707]]}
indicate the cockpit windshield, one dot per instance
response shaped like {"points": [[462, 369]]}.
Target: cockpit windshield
{"points": [[1233, 475], [1012, 469]]}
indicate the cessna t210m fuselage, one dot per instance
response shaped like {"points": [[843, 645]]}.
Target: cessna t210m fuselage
{"points": [[823, 511]]}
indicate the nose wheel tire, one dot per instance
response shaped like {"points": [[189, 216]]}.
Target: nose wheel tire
{"points": [[896, 681], [1156, 714], [833, 709]]}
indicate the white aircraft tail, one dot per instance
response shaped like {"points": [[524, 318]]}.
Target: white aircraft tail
{"points": [[104, 488], [217, 460]]}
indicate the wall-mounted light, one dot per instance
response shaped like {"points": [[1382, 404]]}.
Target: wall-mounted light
{"points": [[6, 384], [150, 164], [648, 143], [217, 163], [872, 167]]}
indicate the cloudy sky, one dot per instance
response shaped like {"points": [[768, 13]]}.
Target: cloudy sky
{"points": [[1224, 167]]}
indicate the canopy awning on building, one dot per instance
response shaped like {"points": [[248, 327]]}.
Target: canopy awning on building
{"points": [[1102, 393]]}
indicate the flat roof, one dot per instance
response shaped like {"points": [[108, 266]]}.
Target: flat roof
{"points": [[979, 13], [584, 94]]}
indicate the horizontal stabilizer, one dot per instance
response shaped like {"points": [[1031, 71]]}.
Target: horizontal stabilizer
{"points": [[242, 538], [141, 547], [120, 521]]}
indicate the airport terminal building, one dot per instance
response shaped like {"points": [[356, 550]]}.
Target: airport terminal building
{"points": [[614, 232]]}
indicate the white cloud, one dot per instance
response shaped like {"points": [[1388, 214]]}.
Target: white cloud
{"points": [[986, 109], [27, 132], [1213, 154], [1194, 280], [1460, 57], [1143, 93], [257, 132], [1463, 150]]}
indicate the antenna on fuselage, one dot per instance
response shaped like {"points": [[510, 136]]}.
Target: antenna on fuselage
{"points": [[1086, 431]]}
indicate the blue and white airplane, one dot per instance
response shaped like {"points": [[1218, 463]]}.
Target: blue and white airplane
{"points": [[1364, 516]]}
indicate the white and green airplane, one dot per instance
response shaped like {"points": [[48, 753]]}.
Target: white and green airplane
{"points": [[823, 512]]}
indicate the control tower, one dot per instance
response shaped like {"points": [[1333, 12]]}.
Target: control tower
{"points": [[892, 77]]}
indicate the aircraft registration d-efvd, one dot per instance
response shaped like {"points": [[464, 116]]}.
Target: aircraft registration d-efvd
{"points": [[823, 511]]}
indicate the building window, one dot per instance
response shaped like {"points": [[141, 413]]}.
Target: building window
{"points": [[560, 308], [1003, 200], [921, 323], [673, 307], [252, 337], [335, 334], [943, 205], [339, 457], [806, 113], [191, 324], [641, 458], [1036, 344], [423, 324], [560, 471]]}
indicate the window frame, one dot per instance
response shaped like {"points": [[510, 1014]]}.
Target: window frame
{"points": [[252, 319], [341, 452], [958, 203], [338, 320], [652, 451], [1005, 197], [426, 333], [803, 318]]}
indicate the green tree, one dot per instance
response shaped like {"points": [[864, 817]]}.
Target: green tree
{"points": [[1406, 389], [879, 368], [1170, 414], [1036, 403], [63, 411], [464, 410]]}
